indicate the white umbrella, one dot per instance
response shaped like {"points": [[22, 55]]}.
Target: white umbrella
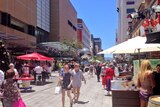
{"points": [[134, 45]]}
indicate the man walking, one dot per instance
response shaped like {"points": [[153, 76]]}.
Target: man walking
{"points": [[77, 78]]}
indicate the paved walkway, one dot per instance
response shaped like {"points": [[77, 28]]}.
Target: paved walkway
{"points": [[92, 95]]}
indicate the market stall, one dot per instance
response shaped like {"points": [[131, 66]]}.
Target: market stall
{"points": [[26, 77], [124, 93]]}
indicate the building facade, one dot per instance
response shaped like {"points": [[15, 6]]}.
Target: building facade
{"points": [[63, 21], [83, 34], [18, 23], [124, 8], [149, 26], [43, 20]]}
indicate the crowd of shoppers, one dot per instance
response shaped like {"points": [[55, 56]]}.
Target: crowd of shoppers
{"points": [[71, 77]]}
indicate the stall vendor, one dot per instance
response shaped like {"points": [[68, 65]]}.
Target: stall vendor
{"points": [[156, 76]]}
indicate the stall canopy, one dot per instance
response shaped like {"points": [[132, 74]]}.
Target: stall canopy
{"points": [[134, 45], [34, 56]]}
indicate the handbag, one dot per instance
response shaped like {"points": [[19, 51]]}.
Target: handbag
{"points": [[19, 103], [57, 90]]}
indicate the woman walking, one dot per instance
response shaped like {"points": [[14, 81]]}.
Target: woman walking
{"points": [[145, 83], [109, 76], [11, 93], [103, 75], [66, 82]]}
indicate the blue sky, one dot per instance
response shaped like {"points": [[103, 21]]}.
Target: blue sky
{"points": [[100, 16]]}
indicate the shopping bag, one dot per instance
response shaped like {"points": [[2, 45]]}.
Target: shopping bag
{"points": [[57, 90], [19, 103]]}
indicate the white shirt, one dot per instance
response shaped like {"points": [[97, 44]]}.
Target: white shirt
{"points": [[49, 69], [38, 69], [1, 76]]}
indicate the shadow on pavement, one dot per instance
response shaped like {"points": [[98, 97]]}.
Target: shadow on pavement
{"points": [[27, 91], [108, 95], [41, 84], [82, 102]]}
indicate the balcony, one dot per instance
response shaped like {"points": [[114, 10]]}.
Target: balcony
{"points": [[136, 23]]}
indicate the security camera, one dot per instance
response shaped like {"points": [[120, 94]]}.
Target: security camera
{"points": [[156, 8]]}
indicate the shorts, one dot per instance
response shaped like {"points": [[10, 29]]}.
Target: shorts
{"points": [[144, 95]]}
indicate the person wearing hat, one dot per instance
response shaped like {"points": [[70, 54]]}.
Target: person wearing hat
{"points": [[12, 68]]}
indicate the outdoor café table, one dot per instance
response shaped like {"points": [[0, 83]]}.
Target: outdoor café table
{"points": [[26, 83]]}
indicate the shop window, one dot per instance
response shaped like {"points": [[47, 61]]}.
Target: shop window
{"points": [[15, 24], [5, 19], [130, 2], [131, 10], [0, 18], [70, 23], [74, 28], [42, 35]]}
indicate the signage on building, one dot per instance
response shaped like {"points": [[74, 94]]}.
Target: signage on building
{"points": [[79, 26]]}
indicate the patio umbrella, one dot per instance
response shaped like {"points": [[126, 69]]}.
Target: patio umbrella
{"points": [[134, 45], [34, 56]]}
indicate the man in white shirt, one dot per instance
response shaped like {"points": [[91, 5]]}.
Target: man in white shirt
{"points": [[38, 69], [38, 72]]}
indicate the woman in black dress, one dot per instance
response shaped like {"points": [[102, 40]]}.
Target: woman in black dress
{"points": [[66, 82]]}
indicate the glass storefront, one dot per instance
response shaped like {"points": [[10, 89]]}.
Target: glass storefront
{"points": [[43, 14]]}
